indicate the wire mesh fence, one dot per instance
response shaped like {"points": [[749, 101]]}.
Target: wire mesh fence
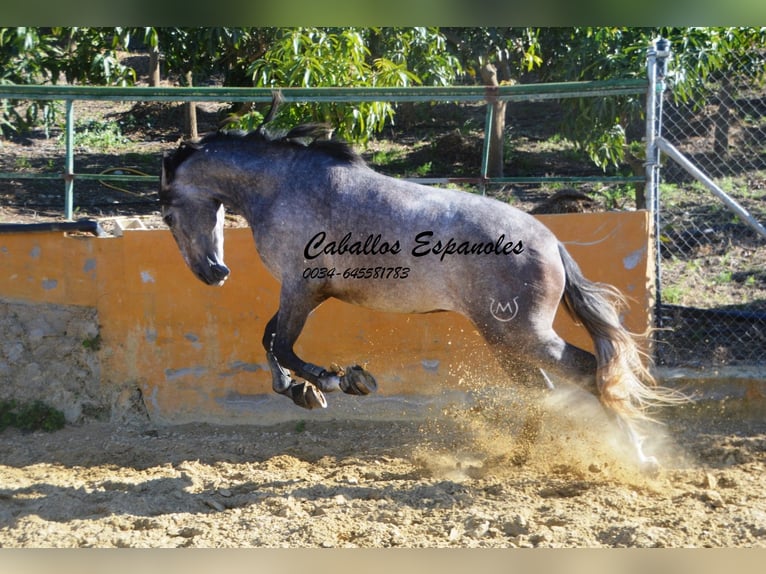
{"points": [[712, 308]]}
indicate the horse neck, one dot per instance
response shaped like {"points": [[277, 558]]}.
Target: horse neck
{"points": [[249, 182]]}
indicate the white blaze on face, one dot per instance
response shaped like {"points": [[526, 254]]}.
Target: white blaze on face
{"points": [[218, 234]]}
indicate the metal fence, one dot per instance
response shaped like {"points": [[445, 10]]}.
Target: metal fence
{"points": [[711, 258], [512, 93]]}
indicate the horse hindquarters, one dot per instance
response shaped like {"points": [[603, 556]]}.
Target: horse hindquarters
{"points": [[615, 375]]}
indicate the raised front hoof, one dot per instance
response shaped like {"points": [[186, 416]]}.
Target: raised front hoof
{"points": [[357, 381], [307, 396]]}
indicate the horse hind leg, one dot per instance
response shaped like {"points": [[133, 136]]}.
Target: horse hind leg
{"points": [[613, 380], [523, 373], [529, 360]]}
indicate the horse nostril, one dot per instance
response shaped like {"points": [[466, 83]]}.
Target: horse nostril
{"points": [[219, 271]]}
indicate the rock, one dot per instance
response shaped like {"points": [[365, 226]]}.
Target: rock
{"points": [[287, 507], [540, 538], [145, 524], [727, 481], [214, 504], [517, 526], [319, 511], [188, 532], [713, 498], [476, 527]]}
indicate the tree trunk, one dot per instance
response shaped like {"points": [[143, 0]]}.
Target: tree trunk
{"points": [[722, 118], [638, 167], [154, 67], [191, 113], [497, 129]]}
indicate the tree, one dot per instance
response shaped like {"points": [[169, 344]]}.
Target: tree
{"points": [[307, 57], [352, 57], [196, 54], [707, 64], [703, 61], [40, 55], [499, 56]]}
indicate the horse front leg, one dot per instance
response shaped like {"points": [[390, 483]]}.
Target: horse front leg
{"points": [[302, 393], [280, 335]]}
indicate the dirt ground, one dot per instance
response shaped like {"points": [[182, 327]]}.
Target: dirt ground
{"points": [[441, 481]]}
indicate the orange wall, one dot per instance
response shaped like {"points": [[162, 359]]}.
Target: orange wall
{"points": [[195, 350]]}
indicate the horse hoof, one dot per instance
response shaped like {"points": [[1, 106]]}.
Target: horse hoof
{"points": [[357, 381], [307, 396], [328, 383], [650, 467]]}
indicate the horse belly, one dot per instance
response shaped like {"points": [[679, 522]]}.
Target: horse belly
{"points": [[399, 289]]}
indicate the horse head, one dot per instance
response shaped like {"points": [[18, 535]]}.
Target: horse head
{"points": [[195, 218]]}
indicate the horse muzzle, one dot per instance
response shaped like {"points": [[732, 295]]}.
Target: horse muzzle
{"points": [[214, 273]]}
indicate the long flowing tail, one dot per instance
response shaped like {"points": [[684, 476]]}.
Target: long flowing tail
{"points": [[626, 385]]}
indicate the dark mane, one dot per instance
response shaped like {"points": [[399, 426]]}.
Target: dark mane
{"points": [[307, 136]]}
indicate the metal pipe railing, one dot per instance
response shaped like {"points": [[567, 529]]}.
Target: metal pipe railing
{"points": [[518, 92], [672, 152]]}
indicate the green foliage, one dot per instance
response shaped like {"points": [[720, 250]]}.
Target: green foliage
{"points": [[673, 295], [701, 58], [513, 50], [724, 277], [48, 55], [30, 416], [206, 52], [385, 157], [616, 196], [100, 136], [424, 169], [351, 57], [92, 343], [705, 57]]}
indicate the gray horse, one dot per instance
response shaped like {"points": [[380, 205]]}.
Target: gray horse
{"points": [[326, 225]]}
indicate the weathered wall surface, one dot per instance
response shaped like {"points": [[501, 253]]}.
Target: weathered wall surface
{"points": [[50, 352], [193, 352]]}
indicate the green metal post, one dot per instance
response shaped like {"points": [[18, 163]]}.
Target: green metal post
{"points": [[485, 148], [69, 165]]}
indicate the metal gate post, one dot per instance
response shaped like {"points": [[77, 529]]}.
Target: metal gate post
{"points": [[69, 164], [485, 148], [657, 58]]}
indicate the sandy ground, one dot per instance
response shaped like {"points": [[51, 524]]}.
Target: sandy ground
{"points": [[445, 480]]}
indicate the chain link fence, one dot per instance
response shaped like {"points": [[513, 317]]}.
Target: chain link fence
{"points": [[712, 270]]}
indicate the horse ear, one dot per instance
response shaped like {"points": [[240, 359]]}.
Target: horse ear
{"points": [[168, 167], [163, 172], [171, 160], [277, 99]]}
